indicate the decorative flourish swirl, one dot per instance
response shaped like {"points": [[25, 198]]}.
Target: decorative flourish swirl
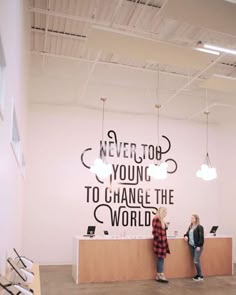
{"points": [[129, 206], [139, 160], [119, 209], [165, 152], [82, 157], [104, 205], [129, 183], [111, 134], [99, 180], [149, 207], [175, 166], [85, 165], [156, 209]]}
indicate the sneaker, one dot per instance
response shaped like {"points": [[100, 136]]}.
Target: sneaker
{"points": [[162, 279], [198, 278]]}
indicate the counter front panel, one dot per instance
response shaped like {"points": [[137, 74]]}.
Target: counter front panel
{"points": [[107, 260]]}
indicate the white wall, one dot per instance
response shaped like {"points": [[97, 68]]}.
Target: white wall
{"points": [[13, 36], [227, 180], [56, 207]]}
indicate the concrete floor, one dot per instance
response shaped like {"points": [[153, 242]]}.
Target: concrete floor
{"points": [[57, 280]]}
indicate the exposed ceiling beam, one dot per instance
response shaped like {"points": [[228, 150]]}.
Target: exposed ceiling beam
{"points": [[91, 21], [144, 3], [68, 16], [141, 13], [116, 12], [135, 68], [81, 98], [46, 27], [59, 34], [193, 79], [46, 32], [133, 9]]}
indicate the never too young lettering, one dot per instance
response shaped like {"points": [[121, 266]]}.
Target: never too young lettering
{"points": [[127, 201]]}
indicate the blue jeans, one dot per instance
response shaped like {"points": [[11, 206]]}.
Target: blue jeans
{"points": [[196, 258], [160, 264]]}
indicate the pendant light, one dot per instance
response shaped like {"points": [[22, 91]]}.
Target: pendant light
{"points": [[100, 167], [158, 170], [207, 172]]}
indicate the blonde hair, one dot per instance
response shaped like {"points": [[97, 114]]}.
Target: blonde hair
{"points": [[196, 218], [161, 214]]}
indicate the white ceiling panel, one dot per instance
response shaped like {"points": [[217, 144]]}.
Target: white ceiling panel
{"points": [[134, 47], [221, 83]]}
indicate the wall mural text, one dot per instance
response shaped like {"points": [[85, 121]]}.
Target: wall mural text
{"points": [[127, 200]]}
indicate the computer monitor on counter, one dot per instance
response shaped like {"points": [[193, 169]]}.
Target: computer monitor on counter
{"points": [[214, 229], [90, 231]]}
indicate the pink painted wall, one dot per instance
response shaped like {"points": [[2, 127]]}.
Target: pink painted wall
{"points": [[57, 206]]}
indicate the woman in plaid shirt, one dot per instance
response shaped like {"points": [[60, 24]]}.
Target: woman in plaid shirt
{"points": [[160, 243]]}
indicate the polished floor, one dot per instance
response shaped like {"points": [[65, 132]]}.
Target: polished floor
{"points": [[57, 280]]}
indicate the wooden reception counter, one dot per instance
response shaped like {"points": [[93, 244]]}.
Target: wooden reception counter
{"points": [[123, 259]]}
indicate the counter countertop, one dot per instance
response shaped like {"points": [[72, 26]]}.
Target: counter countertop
{"points": [[139, 237]]}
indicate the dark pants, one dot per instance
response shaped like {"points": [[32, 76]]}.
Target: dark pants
{"points": [[196, 258]]}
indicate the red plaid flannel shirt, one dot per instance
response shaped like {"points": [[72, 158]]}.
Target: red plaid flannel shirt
{"points": [[160, 243]]}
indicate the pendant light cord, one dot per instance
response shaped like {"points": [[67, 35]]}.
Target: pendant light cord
{"points": [[158, 127], [158, 135], [207, 132], [158, 106], [207, 154], [103, 105], [207, 127]]}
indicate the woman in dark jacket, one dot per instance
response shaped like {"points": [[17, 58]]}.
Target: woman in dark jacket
{"points": [[195, 238], [160, 243]]}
